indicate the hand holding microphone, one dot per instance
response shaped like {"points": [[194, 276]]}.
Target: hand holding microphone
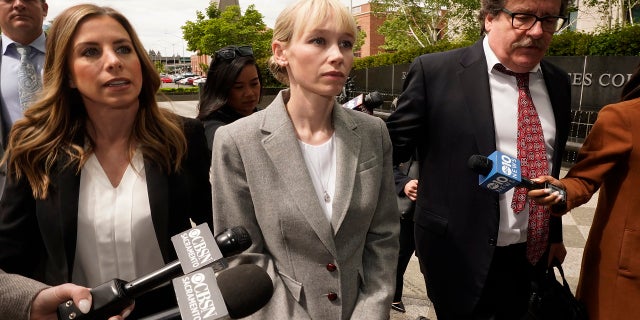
{"points": [[196, 249], [500, 172], [365, 103], [548, 197]]}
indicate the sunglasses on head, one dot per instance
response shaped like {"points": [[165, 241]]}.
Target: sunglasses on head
{"points": [[231, 53]]}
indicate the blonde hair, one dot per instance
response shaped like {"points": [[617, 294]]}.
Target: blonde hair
{"points": [[54, 127], [303, 15]]}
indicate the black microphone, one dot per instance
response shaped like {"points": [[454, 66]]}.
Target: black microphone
{"points": [[110, 298], [500, 172], [245, 289], [365, 103]]}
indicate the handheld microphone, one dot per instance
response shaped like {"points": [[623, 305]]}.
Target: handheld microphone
{"points": [[244, 289], [500, 172], [111, 297], [365, 103]]}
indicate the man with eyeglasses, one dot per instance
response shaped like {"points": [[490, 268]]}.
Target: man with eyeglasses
{"points": [[479, 250]]}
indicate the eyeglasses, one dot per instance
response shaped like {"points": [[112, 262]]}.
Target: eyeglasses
{"points": [[231, 53], [526, 21]]}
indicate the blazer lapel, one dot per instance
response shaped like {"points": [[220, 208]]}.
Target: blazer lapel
{"points": [[282, 147], [158, 188], [348, 147], [478, 96], [68, 187]]}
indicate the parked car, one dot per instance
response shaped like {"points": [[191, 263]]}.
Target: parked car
{"points": [[166, 79], [184, 80], [198, 81], [192, 79]]}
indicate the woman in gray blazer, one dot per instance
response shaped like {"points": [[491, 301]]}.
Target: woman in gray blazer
{"points": [[312, 181]]}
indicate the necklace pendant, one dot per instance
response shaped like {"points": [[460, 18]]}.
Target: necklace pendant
{"points": [[327, 198]]}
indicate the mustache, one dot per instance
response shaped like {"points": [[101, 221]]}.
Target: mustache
{"points": [[529, 42]]}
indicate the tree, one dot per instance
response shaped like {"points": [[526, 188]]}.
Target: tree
{"points": [[160, 66], [229, 27], [413, 24], [614, 12]]}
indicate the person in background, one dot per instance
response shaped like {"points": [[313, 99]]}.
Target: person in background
{"points": [[99, 177], [311, 181], [406, 179], [233, 89], [24, 298], [609, 161], [480, 250], [21, 24]]}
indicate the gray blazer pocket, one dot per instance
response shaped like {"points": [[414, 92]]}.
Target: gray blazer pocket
{"points": [[294, 287], [369, 163]]}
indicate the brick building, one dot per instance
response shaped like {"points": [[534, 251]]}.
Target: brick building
{"points": [[369, 23]]}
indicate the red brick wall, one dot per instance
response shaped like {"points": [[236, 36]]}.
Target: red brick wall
{"points": [[369, 23]]}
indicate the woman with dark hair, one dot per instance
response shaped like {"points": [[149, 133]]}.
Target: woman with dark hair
{"points": [[609, 161], [98, 176], [233, 89]]}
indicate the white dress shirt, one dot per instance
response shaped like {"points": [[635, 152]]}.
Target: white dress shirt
{"points": [[116, 238], [504, 99], [11, 109]]}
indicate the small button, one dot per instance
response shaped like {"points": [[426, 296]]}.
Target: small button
{"points": [[492, 241], [332, 296], [331, 267]]}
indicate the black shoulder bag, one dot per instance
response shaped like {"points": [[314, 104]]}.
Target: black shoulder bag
{"points": [[552, 300]]}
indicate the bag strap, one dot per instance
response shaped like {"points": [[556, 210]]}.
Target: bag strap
{"points": [[552, 271]]}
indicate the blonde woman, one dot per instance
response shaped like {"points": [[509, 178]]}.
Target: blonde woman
{"points": [[311, 181]]}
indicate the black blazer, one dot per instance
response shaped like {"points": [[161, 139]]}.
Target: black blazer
{"points": [[38, 237], [445, 112]]}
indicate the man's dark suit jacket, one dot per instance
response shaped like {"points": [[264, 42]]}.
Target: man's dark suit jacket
{"points": [[38, 237], [445, 112]]}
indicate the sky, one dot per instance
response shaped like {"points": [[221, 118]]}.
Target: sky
{"points": [[158, 22]]}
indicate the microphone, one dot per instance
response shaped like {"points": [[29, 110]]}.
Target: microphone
{"points": [[194, 248], [365, 103], [500, 172], [244, 289]]}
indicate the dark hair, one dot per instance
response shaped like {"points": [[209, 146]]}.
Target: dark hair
{"points": [[493, 7], [631, 90], [221, 77]]}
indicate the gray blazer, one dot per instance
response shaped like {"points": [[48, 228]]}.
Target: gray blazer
{"points": [[16, 295], [260, 181]]}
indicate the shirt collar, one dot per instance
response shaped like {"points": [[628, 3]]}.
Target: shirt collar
{"points": [[39, 44], [492, 60]]}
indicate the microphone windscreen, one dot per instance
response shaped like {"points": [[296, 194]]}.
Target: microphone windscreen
{"points": [[373, 100], [479, 164], [246, 288], [233, 241]]}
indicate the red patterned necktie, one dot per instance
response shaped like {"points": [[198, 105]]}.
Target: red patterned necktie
{"points": [[532, 154]]}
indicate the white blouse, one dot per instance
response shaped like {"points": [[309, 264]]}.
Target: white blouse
{"points": [[321, 163], [116, 238]]}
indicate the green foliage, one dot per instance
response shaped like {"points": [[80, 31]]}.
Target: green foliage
{"points": [[179, 90], [411, 24], [204, 67], [406, 56], [620, 41], [229, 27], [160, 66]]}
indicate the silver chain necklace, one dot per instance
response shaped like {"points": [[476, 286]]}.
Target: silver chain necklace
{"points": [[324, 184]]}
